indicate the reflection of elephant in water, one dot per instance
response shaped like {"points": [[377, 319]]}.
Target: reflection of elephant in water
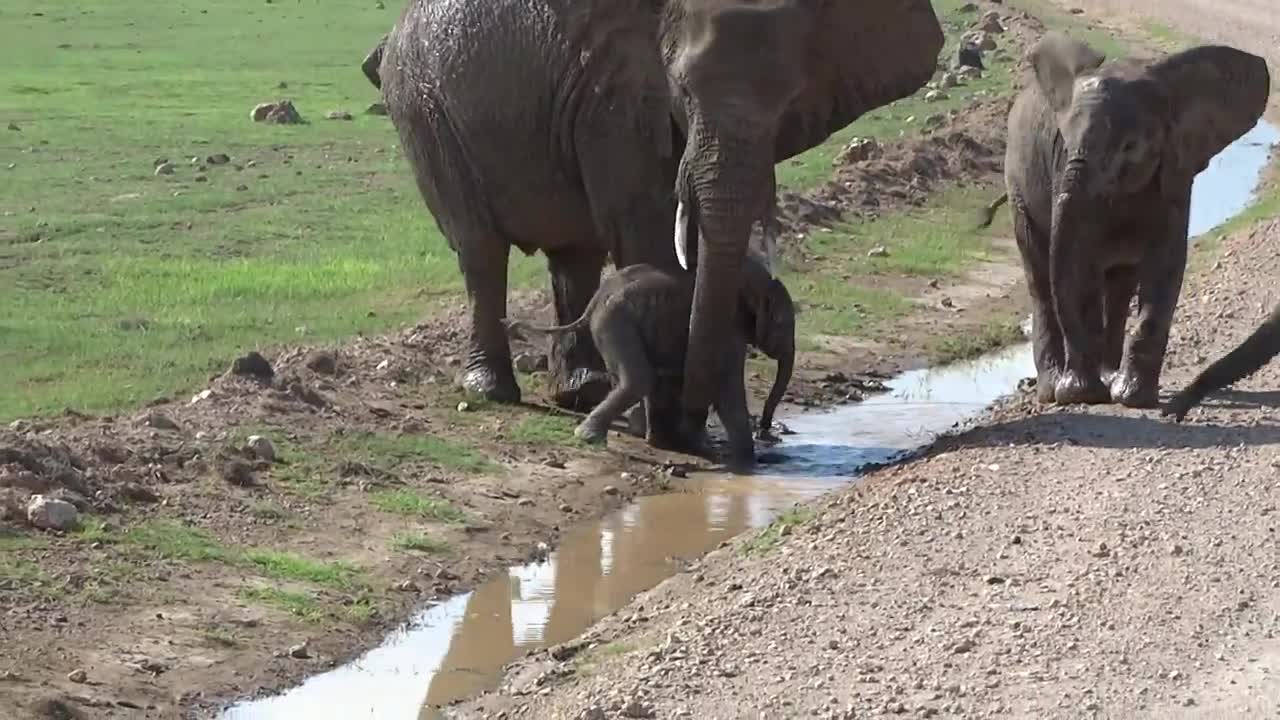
{"points": [[1099, 168], [1246, 359], [582, 129], [638, 321]]}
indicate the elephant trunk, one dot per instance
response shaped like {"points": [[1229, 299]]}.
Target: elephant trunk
{"points": [[786, 364], [722, 193], [1069, 263]]}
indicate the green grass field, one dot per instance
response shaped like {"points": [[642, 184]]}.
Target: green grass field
{"points": [[119, 285]]}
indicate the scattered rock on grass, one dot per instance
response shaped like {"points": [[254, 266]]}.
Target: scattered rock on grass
{"points": [[261, 448], [159, 421], [164, 168], [376, 109], [252, 364], [338, 115], [238, 473], [49, 513], [991, 22], [281, 112], [78, 676], [858, 150], [323, 362], [301, 651], [878, 251], [218, 159]]}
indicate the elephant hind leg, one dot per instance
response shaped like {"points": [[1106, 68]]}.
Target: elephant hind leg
{"points": [[1033, 246], [627, 358], [578, 378]]}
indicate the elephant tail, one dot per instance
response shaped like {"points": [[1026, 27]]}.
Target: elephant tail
{"points": [[518, 328], [1247, 358], [988, 212], [373, 62]]}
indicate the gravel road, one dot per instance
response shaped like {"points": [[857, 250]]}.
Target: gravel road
{"points": [[1068, 563]]}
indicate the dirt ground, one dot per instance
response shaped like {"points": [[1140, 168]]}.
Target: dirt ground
{"points": [[200, 565], [1052, 563]]}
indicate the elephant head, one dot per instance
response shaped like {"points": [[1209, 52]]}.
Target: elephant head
{"points": [[770, 314], [1132, 127], [749, 83]]}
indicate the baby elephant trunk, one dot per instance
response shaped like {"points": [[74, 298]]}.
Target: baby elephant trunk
{"points": [[786, 363]]}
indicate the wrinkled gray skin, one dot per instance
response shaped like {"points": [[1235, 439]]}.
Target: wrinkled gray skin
{"points": [[638, 321], [1098, 169], [584, 129], [1246, 359]]}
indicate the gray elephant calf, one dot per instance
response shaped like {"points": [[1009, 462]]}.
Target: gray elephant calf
{"points": [[1098, 168], [639, 321]]}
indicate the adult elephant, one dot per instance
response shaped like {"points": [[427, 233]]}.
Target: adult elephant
{"points": [[582, 128], [1098, 168]]}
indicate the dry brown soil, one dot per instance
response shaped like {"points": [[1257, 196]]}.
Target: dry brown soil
{"points": [[1081, 562], [198, 566]]}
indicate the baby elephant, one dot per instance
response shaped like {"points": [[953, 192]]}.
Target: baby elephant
{"points": [[639, 321], [1262, 345]]}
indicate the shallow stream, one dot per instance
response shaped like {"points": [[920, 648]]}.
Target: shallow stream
{"points": [[458, 648]]}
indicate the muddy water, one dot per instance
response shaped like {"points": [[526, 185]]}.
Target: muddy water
{"points": [[457, 649]]}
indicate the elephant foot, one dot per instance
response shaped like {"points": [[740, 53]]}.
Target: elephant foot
{"points": [[1074, 388], [582, 390], [588, 433], [1130, 389], [741, 458], [1180, 405], [492, 385]]}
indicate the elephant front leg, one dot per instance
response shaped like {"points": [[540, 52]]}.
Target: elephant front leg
{"points": [[487, 372], [577, 371], [1137, 385], [1073, 276], [1120, 283], [731, 407], [1046, 336]]}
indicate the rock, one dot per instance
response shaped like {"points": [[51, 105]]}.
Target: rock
{"points": [[139, 493], [323, 362], [338, 115], [11, 505], [14, 127], [566, 508], [968, 55], [991, 22], [948, 80], [218, 159], [78, 676], [878, 251], [858, 150], [530, 362], [159, 421], [201, 178], [980, 39], [238, 473], [464, 406], [49, 513], [610, 490], [963, 646], [252, 364], [261, 448], [595, 712], [968, 8], [164, 168], [301, 651], [935, 96], [376, 109], [638, 709], [281, 112], [969, 72], [1076, 11]]}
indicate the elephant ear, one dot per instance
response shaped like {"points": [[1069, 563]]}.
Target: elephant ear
{"points": [[1057, 61], [862, 55], [617, 42], [1216, 94]]}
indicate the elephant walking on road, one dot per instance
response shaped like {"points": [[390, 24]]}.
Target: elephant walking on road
{"points": [[1099, 167], [638, 319], [588, 129]]}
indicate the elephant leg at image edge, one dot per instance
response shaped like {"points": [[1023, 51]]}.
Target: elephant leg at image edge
{"points": [[1046, 335], [578, 379], [731, 408], [1159, 285]]}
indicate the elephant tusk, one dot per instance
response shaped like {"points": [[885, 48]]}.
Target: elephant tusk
{"points": [[682, 235], [770, 242]]}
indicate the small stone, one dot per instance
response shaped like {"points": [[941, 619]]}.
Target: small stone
{"points": [[218, 159], [1101, 551], [376, 109], [968, 72], [995, 580], [935, 96], [238, 473], [968, 8], [164, 168], [464, 406], [323, 362], [261, 448], [980, 39], [637, 709], [858, 150], [78, 676], [301, 651], [201, 178], [338, 115], [1076, 11], [14, 126], [595, 712], [159, 422], [878, 251], [610, 490], [991, 22], [1176, 551], [962, 647], [529, 362], [948, 80], [252, 364], [566, 508]]}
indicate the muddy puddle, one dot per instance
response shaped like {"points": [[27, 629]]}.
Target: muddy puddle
{"points": [[458, 648]]}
